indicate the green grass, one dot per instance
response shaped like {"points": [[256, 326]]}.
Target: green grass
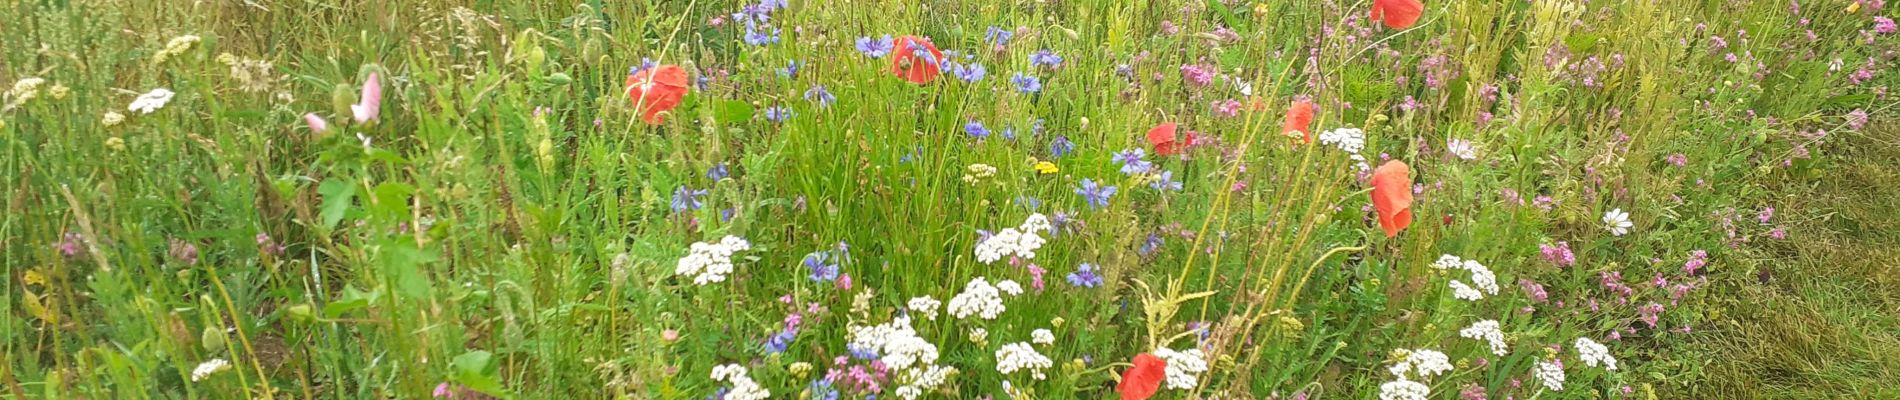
{"points": [[509, 227]]}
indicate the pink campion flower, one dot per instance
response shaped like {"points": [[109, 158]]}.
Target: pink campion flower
{"points": [[1697, 259], [371, 102], [1884, 25], [1778, 233], [442, 391], [1559, 255], [1650, 314], [1534, 290], [317, 124], [1766, 214], [1035, 274], [1857, 119], [1198, 75], [844, 281], [1678, 159]]}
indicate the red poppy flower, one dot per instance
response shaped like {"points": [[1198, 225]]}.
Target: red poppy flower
{"points": [[1299, 118], [909, 63], [1141, 381], [1397, 14], [656, 90], [1392, 196], [1162, 137]]}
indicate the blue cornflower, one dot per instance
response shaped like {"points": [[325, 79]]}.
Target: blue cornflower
{"points": [[1037, 128], [1165, 182], [771, 5], [790, 70], [1026, 83], [818, 94], [779, 341], [875, 47], [970, 72], [1009, 133], [976, 129], [645, 64], [1096, 194], [1131, 161], [821, 389], [861, 354], [1062, 222], [717, 172], [704, 81], [687, 199], [1045, 58], [760, 36], [1154, 243], [923, 55], [1084, 276], [1060, 147], [821, 271], [998, 36], [1029, 202], [778, 114]]}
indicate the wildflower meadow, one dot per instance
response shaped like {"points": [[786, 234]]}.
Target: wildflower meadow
{"points": [[949, 199]]}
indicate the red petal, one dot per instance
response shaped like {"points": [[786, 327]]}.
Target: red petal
{"points": [[656, 90], [907, 65], [1392, 196], [1162, 137], [1299, 117], [1144, 379], [1397, 14]]}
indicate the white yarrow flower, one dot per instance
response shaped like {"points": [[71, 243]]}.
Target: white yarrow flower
{"points": [[710, 262], [1184, 367], [743, 387], [1042, 336], [1486, 330], [207, 368], [925, 305], [1021, 241], [1594, 353], [1010, 287], [1020, 356], [151, 101], [1424, 363], [1551, 373], [979, 298], [1618, 221], [1404, 390], [1462, 291]]}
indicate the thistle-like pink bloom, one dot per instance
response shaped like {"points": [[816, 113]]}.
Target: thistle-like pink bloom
{"points": [[371, 102], [317, 124]]}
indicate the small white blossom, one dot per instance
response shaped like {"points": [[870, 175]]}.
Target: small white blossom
{"points": [[1424, 362], [743, 387], [1184, 367], [1486, 330], [1462, 291], [1021, 241], [979, 298], [1020, 356], [710, 262], [1551, 373], [1462, 149], [1404, 390], [1350, 140], [919, 380], [151, 101], [979, 335], [1010, 287], [112, 118], [1618, 221], [1594, 353], [207, 368], [925, 305], [1042, 336]]}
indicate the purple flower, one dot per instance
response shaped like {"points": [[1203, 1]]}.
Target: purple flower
{"points": [[1766, 214], [1197, 74], [1226, 108], [1534, 290], [1678, 159], [71, 244], [717, 172], [998, 36], [1084, 276], [778, 114], [1884, 25], [1153, 243], [1559, 254], [976, 130], [1026, 83], [970, 72], [1045, 58], [1060, 147], [687, 199], [1697, 259], [779, 341], [1096, 194], [1035, 276], [818, 94], [1857, 119], [821, 269], [760, 36], [1165, 182], [875, 47], [1132, 162]]}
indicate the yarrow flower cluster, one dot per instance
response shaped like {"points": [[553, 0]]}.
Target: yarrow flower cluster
{"points": [[925, 305], [1184, 367], [1486, 330], [1480, 276], [896, 345], [1594, 353], [1404, 390], [207, 368], [1551, 373], [1021, 241], [151, 101], [979, 298], [711, 262], [1421, 363], [1349, 140], [1042, 336], [743, 388], [1020, 356]]}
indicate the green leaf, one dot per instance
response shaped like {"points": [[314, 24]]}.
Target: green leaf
{"points": [[476, 370], [392, 199], [352, 300], [734, 111], [336, 200], [401, 262]]}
